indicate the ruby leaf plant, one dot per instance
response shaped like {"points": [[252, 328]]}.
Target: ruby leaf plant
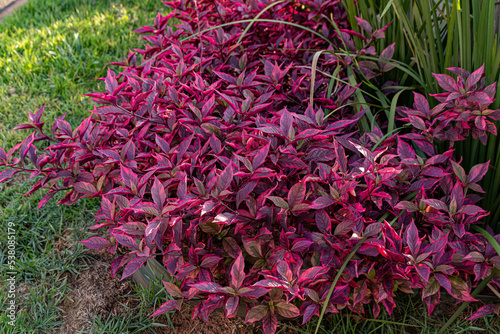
{"points": [[209, 156]]}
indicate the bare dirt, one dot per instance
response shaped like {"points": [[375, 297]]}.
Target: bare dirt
{"points": [[94, 293]]}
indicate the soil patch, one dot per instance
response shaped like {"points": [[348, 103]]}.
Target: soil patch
{"points": [[94, 293]]}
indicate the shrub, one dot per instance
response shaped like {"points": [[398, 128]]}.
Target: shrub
{"points": [[214, 155]]}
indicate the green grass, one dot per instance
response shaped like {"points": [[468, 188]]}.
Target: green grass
{"points": [[51, 51]]}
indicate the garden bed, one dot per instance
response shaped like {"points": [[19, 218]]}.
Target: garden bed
{"points": [[274, 249]]}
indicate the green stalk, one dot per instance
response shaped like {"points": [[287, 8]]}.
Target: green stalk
{"points": [[431, 41], [260, 20], [334, 283], [392, 111], [362, 101], [314, 65], [344, 264], [257, 17]]}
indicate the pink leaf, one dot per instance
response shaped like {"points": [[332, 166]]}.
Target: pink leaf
{"points": [[225, 178], [309, 312], [287, 310], [446, 82], [96, 243], [232, 306], [133, 266], [296, 194], [364, 24], [7, 174], [436, 204], [125, 240], [344, 227], [172, 289], [478, 172], [210, 287], [474, 78], [164, 308], [322, 202], [286, 122], [269, 323], [244, 192], [323, 221], [238, 272], [158, 193], [412, 239], [260, 157], [256, 313], [483, 311], [85, 188], [423, 270]]}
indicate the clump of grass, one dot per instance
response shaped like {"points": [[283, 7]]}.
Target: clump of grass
{"points": [[51, 51]]}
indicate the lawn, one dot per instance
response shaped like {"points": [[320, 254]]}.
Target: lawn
{"points": [[51, 51]]}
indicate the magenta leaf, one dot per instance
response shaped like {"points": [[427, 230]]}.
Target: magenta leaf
{"points": [[164, 308], [269, 323], [158, 193], [474, 78], [323, 221], [260, 157], [96, 243], [423, 271], [237, 272], [257, 313], [225, 178], [344, 227], [446, 82], [253, 293], [125, 240], [133, 266], [232, 306], [297, 194], [364, 24], [322, 202], [482, 312], [85, 188], [478, 172], [172, 290], [412, 239], [309, 312], [7, 174], [244, 192], [208, 287], [287, 310], [286, 122]]}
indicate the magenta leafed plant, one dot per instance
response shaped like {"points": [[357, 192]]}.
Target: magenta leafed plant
{"points": [[212, 155]]}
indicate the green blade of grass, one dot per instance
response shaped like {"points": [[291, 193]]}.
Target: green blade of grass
{"points": [[314, 65], [257, 17]]}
